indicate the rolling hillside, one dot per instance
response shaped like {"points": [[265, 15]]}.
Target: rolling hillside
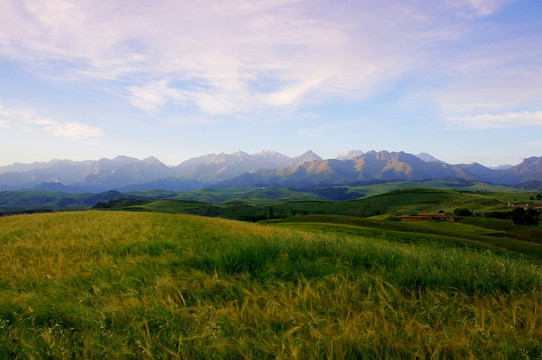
{"points": [[149, 285], [375, 216]]}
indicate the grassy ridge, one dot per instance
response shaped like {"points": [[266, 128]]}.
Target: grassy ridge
{"points": [[472, 186], [411, 200], [13, 201], [117, 284], [255, 196], [482, 233], [238, 210]]}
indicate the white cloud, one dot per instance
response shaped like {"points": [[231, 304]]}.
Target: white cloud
{"points": [[493, 121], [292, 94], [29, 120], [74, 130], [229, 57], [153, 95], [243, 53]]}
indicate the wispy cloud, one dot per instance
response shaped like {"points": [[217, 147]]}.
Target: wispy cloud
{"points": [[29, 120], [478, 7], [227, 57], [153, 95], [236, 55], [492, 78], [493, 121], [74, 130]]}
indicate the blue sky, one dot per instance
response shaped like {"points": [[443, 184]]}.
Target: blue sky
{"points": [[88, 79]]}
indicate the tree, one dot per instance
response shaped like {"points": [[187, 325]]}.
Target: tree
{"points": [[520, 216], [270, 214], [462, 212]]}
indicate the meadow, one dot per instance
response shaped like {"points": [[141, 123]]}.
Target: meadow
{"points": [[400, 201], [102, 284], [374, 216], [474, 232]]}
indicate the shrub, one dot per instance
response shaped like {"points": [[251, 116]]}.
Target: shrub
{"points": [[462, 212]]}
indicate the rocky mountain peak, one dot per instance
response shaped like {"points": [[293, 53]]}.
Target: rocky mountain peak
{"points": [[349, 155]]}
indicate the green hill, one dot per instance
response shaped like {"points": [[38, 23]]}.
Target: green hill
{"points": [[480, 233], [18, 201], [153, 285], [256, 196], [238, 210], [407, 201], [352, 216], [31, 201], [473, 186]]}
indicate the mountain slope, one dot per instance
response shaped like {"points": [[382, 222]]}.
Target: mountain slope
{"points": [[80, 176], [385, 165], [266, 168], [529, 170], [213, 168], [124, 170], [306, 157]]}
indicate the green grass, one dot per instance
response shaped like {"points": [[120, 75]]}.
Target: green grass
{"points": [[482, 233], [403, 201], [370, 217], [153, 285], [238, 210], [382, 198], [378, 189], [29, 200], [254, 196]]}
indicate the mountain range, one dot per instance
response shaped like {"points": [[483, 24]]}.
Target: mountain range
{"points": [[264, 169]]}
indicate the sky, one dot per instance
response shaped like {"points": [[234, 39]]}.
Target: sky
{"points": [[175, 79]]}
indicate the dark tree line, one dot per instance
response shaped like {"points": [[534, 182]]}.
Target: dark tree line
{"points": [[519, 215]]}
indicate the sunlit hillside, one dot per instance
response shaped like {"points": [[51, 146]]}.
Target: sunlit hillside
{"points": [[150, 285]]}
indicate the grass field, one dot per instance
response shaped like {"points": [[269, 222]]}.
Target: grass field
{"points": [[402, 201], [481, 233], [373, 217], [154, 285], [255, 196], [471, 186], [408, 201]]}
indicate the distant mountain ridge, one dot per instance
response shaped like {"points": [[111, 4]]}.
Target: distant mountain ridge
{"points": [[266, 168], [387, 166], [125, 172]]}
